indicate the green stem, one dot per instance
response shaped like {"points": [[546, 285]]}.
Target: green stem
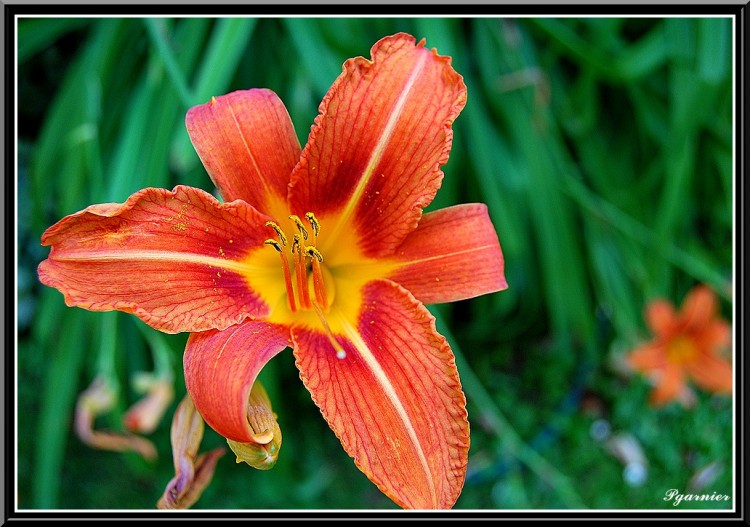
{"points": [[57, 403], [107, 349], [160, 351]]}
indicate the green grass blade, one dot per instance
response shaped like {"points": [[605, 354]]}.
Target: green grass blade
{"points": [[56, 173], [321, 65], [226, 47], [156, 31], [714, 49], [58, 401], [38, 34]]}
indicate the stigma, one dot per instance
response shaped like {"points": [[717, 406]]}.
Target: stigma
{"points": [[306, 261]]}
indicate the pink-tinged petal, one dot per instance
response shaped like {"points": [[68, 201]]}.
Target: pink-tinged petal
{"points": [[395, 399], [203, 472], [98, 399], [220, 369], [144, 416], [648, 357], [661, 318], [698, 308], [711, 372], [453, 254], [247, 143], [670, 383], [174, 259], [373, 158]]}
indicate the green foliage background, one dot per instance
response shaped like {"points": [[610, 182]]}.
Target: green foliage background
{"points": [[603, 148]]}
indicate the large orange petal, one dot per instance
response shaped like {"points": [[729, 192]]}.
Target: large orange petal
{"points": [[174, 259], [395, 400], [220, 369], [453, 254], [661, 318], [373, 158], [715, 336], [711, 372], [669, 384], [647, 357], [247, 143], [698, 308]]}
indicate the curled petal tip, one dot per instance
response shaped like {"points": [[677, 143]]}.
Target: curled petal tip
{"points": [[257, 455], [263, 452]]}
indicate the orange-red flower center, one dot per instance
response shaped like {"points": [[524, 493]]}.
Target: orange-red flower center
{"points": [[681, 349], [308, 289]]}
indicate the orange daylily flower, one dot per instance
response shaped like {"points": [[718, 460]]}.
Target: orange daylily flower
{"points": [[325, 250], [685, 344]]}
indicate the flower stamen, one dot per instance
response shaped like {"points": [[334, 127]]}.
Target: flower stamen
{"points": [[314, 224], [276, 245], [284, 264], [300, 253], [321, 298], [301, 271], [278, 231], [300, 226], [313, 253]]}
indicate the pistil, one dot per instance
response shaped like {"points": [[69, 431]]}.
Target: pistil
{"points": [[340, 353]]}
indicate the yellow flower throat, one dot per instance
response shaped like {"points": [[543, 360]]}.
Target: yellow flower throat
{"points": [[306, 259], [681, 349]]}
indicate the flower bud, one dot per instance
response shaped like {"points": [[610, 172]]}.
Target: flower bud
{"points": [[192, 475], [263, 452], [97, 399], [144, 416]]}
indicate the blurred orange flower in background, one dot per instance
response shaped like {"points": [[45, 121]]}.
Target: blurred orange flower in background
{"points": [[686, 344]]}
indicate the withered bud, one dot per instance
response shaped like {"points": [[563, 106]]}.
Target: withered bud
{"points": [[97, 399], [144, 416], [192, 475]]}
